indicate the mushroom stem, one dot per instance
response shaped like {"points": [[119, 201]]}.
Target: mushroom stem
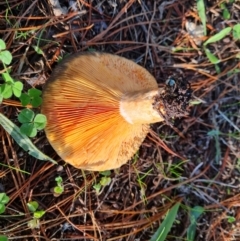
{"points": [[138, 108]]}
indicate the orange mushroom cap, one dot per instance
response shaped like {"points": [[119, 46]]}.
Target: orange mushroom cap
{"points": [[98, 108]]}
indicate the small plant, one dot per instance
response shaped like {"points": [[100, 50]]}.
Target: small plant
{"points": [[4, 199], [58, 190], [33, 97], [5, 55], [231, 219], [176, 170], [194, 215], [104, 181], [10, 87], [166, 225], [236, 32], [141, 183], [37, 214], [218, 36], [226, 13], [31, 123]]}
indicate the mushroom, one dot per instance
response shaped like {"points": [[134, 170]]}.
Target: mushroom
{"points": [[98, 108]]}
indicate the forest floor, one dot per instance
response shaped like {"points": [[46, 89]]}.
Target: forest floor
{"points": [[195, 162]]}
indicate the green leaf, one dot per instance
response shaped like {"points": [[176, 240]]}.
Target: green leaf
{"points": [[22, 140], [36, 101], [232, 72], [3, 237], [222, 6], [218, 36], [194, 215], [97, 187], [7, 77], [28, 129], [226, 14], [2, 208], [2, 44], [17, 88], [217, 68], [236, 31], [32, 206], [105, 181], [106, 173], [58, 190], [59, 179], [6, 57], [6, 90], [202, 14], [37, 49], [39, 214], [25, 116], [25, 99], [231, 219], [40, 121], [34, 92], [166, 225], [212, 58], [4, 198]]}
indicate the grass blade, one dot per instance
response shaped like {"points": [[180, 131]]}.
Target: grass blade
{"points": [[22, 140], [166, 225], [202, 14], [194, 215], [212, 58], [218, 36]]}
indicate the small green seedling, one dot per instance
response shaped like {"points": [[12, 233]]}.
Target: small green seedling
{"points": [[37, 50], [33, 97], [31, 122], [231, 219], [104, 181], [37, 214], [226, 13], [10, 87], [194, 215], [218, 36], [4, 199], [236, 32], [5, 55], [59, 189]]}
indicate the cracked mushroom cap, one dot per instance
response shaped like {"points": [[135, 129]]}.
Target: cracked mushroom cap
{"points": [[98, 108]]}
